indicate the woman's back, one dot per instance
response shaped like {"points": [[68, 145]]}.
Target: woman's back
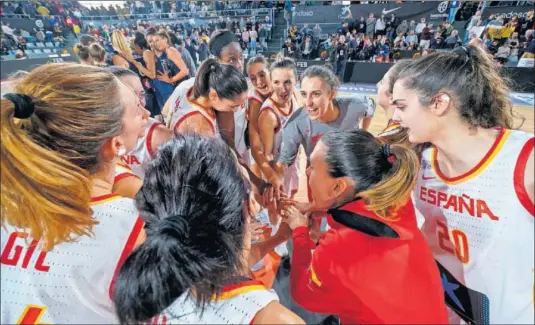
{"points": [[74, 281]]}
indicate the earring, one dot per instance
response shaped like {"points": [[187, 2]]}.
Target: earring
{"points": [[121, 151]]}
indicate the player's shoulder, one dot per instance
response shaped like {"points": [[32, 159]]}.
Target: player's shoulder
{"points": [[299, 117]]}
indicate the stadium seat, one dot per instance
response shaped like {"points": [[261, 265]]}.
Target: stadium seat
{"points": [[39, 44], [30, 45], [49, 44]]}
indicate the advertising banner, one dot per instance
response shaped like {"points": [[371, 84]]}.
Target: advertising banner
{"points": [[506, 12], [28, 24], [431, 10]]}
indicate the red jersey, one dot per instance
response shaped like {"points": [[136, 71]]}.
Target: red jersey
{"points": [[367, 269]]}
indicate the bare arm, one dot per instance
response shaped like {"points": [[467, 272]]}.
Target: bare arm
{"points": [[176, 58], [197, 124], [254, 137], [120, 61], [275, 313], [267, 122], [160, 135], [366, 122]]}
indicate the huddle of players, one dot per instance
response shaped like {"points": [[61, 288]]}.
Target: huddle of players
{"points": [[439, 100]]}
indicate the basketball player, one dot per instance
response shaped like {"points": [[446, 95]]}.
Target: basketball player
{"points": [[384, 96], [258, 72], [154, 135], [273, 116], [179, 276], [62, 228], [125, 182], [373, 266], [323, 112], [475, 187], [217, 87]]}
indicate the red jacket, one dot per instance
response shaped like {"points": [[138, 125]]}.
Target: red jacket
{"points": [[367, 269]]}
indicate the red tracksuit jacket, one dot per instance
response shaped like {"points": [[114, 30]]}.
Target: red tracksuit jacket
{"points": [[367, 269]]}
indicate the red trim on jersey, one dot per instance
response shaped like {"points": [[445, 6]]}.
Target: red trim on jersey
{"points": [[252, 320], [128, 248], [183, 118], [123, 176], [490, 153], [96, 199], [207, 110], [277, 128], [256, 99], [280, 109], [149, 139], [125, 166], [232, 287], [518, 178]]}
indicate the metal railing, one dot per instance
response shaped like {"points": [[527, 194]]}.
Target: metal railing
{"points": [[168, 15]]}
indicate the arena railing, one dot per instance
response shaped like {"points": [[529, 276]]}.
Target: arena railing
{"points": [[211, 14]]}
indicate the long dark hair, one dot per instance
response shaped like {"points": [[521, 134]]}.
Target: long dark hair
{"points": [[192, 202], [227, 81]]}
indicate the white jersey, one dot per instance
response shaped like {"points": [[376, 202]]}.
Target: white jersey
{"points": [[181, 108], [480, 228], [121, 172], [71, 284], [291, 177], [238, 304], [143, 153], [282, 119]]}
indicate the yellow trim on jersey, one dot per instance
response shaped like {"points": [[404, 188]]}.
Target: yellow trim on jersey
{"points": [[27, 309], [239, 291], [472, 174], [314, 277], [114, 197]]}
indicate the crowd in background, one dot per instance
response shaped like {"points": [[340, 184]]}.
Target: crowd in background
{"points": [[383, 38]]}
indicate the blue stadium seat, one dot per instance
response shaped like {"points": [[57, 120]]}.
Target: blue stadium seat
{"points": [[49, 44]]}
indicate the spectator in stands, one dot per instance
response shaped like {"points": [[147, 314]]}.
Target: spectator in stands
{"points": [[503, 52], [307, 48], [453, 40], [190, 47], [412, 26], [361, 26], [391, 25], [380, 26], [186, 57], [341, 55], [119, 45], [370, 25], [425, 37], [383, 51], [437, 42], [411, 37], [420, 27], [402, 28], [97, 55], [513, 44], [289, 49], [42, 10]]}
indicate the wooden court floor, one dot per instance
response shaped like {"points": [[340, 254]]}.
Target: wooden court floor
{"points": [[379, 122]]}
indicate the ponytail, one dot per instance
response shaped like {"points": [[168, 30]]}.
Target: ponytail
{"points": [[195, 226], [227, 81], [82, 51], [158, 272], [34, 180], [395, 188], [384, 175]]}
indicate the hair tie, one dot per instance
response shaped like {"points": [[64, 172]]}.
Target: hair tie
{"points": [[212, 67], [386, 150], [24, 106], [389, 156]]}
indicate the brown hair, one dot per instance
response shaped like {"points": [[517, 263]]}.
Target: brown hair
{"points": [[468, 75], [97, 53], [384, 175], [47, 159]]}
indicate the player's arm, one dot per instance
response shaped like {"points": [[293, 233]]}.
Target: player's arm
{"points": [[262, 248], [275, 313], [254, 137], [370, 111], [225, 122], [160, 135], [176, 58], [267, 122], [197, 124], [311, 278], [127, 186], [292, 140]]}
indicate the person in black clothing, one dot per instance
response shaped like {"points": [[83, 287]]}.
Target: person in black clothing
{"points": [[340, 57], [290, 50]]}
